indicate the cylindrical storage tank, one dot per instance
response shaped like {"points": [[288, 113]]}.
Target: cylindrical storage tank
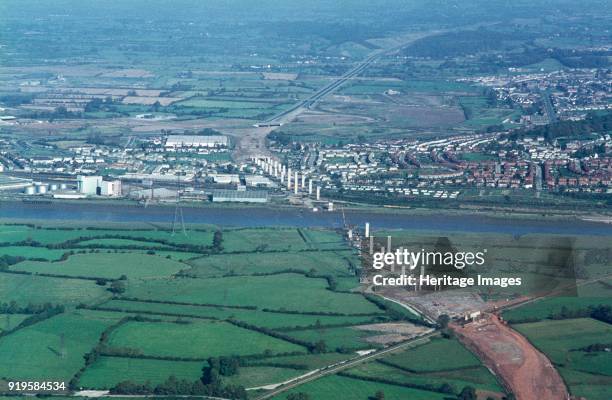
{"points": [[53, 187], [41, 189], [63, 186], [30, 190]]}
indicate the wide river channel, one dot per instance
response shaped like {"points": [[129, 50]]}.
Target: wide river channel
{"points": [[267, 216]]}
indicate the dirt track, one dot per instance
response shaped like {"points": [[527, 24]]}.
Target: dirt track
{"points": [[523, 369]]}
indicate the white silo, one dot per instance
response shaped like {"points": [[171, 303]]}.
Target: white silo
{"points": [[41, 188]]}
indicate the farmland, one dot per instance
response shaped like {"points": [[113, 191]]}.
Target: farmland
{"points": [[207, 339], [107, 304], [350, 388]]}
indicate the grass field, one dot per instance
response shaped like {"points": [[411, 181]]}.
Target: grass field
{"points": [[45, 355], [338, 387], [478, 377], [106, 265], [283, 291], [439, 354], [206, 339], [544, 308], [263, 239], [231, 104], [26, 289], [122, 243], [10, 321], [334, 338], [106, 372], [323, 263], [255, 317], [48, 235], [32, 252], [259, 376]]}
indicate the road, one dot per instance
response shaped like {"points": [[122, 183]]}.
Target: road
{"points": [[253, 143], [329, 88], [550, 110], [349, 364]]}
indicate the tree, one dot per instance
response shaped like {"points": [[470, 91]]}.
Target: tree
{"points": [[467, 393], [298, 396], [446, 388], [443, 321], [117, 287], [211, 376], [218, 240], [320, 347]]}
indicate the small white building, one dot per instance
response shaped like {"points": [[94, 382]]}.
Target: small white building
{"points": [[110, 188]]}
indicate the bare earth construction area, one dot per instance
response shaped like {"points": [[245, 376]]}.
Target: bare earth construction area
{"points": [[514, 360]]}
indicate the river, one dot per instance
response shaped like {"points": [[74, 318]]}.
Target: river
{"points": [[268, 216]]}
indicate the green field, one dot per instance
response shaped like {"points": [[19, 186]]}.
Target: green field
{"points": [[439, 354], [323, 263], [231, 104], [334, 338], [106, 372], [478, 377], [206, 339], [49, 235], [150, 277], [261, 318], [278, 292], [542, 309], [250, 377], [106, 265], [26, 289], [339, 387], [55, 347], [10, 321], [32, 252], [263, 239]]}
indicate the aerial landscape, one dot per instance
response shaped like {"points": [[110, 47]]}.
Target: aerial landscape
{"points": [[306, 200]]}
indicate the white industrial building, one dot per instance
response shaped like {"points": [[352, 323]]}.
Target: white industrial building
{"points": [[238, 196], [226, 179], [258, 181], [88, 184], [110, 188], [178, 141], [95, 185]]}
